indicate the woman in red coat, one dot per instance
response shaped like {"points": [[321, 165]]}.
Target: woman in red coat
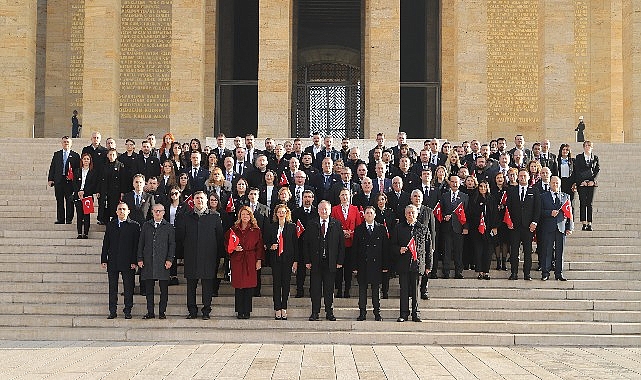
{"points": [[349, 216], [245, 260]]}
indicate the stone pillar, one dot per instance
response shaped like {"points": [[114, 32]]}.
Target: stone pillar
{"points": [[382, 67], [632, 77], [188, 69], [616, 72], [18, 67], [275, 41], [101, 77]]}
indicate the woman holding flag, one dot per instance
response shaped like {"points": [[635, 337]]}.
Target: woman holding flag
{"points": [[502, 238], [246, 251], [482, 218], [387, 217], [282, 248], [84, 184]]}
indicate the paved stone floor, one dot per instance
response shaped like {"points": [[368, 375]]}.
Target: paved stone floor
{"points": [[119, 360]]}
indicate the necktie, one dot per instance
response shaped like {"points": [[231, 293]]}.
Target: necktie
{"points": [[229, 176], [556, 199], [323, 228], [65, 155], [298, 196], [522, 193], [157, 224], [240, 168], [453, 198], [253, 207], [326, 181], [370, 229], [137, 200], [381, 185], [545, 187]]}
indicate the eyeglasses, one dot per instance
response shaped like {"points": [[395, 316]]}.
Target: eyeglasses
{"points": [[159, 210], [175, 193]]}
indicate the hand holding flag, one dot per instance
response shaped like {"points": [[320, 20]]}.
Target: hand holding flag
{"points": [[482, 225], [566, 209], [190, 202], [87, 205], [283, 180], [70, 175], [507, 219], [230, 204], [299, 228], [233, 241], [438, 212], [460, 213], [412, 248]]}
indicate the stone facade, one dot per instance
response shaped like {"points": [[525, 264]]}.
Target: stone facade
{"points": [[527, 65]]}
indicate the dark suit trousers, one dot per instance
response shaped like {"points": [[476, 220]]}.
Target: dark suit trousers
{"points": [[207, 290], [586, 194], [518, 236], [128, 287], [102, 210], [243, 300], [362, 297], [453, 246], [482, 253], [301, 273], [552, 247], [345, 273], [64, 198], [322, 282], [409, 289], [164, 295], [282, 278], [83, 221]]}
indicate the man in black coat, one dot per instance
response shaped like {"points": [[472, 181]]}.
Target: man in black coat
{"points": [[524, 205], [345, 183], [324, 253], [197, 174], [324, 181], [119, 250], [64, 167], [201, 235], [452, 229], [147, 163], [398, 198], [370, 248], [304, 214]]}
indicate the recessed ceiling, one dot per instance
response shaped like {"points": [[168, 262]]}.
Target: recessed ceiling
{"points": [[329, 12]]}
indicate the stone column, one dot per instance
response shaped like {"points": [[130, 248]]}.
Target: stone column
{"points": [[18, 67], [382, 67], [101, 77], [616, 72], [188, 69], [275, 41]]}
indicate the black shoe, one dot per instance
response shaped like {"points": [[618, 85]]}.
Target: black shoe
{"points": [[127, 315], [400, 319], [192, 316], [346, 294], [498, 265], [446, 276], [378, 317], [514, 276], [425, 296], [433, 275], [300, 294], [149, 316], [205, 317], [79, 236], [361, 317], [480, 276], [545, 278], [313, 317], [561, 278], [486, 276], [416, 318], [85, 236], [385, 296], [330, 317], [538, 268], [588, 227], [239, 316], [162, 316], [112, 316], [173, 281], [257, 293], [58, 222], [527, 277], [459, 276], [584, 228]]}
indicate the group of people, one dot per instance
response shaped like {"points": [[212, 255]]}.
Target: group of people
{"points": [[320, 211]]}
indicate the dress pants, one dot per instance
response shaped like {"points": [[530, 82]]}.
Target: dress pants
{"points": [[552, 248], [282, 278], [586, 195], [362, 297], [207, 289], [518, 236], [385, 284], [453, 247], [164, 295], [345, 273], [64, 198], [301, 273], [102, 210], [322, 282], [83, 221], [566, 187], [243, 300], [482, 253], [409, 289], [128, 287]]}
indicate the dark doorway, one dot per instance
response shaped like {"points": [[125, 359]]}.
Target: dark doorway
{"points": [[237, 68]]}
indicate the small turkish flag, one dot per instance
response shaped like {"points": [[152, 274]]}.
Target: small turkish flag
{"points": [[438, 212], [87, 205], [299, 228], [412, 247], [70, 176], [190, 201], [566, 209], [233, 241], [482, 224], [386, 229], [507, 219], [362, 213], [460, 213], [283, 180], [230, 204], [504, 198], [281, 244]]}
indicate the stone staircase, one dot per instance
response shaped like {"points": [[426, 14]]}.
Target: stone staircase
{"points": [[52, 288]]}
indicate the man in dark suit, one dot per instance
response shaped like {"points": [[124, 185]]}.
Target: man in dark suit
{"points": [[64, 167], [554, 228], [304, 214], [345, 183], [423, 162], [324, 253], [398, 198], [430, 195], [327, 151], [524, 205], [401, 138], [138, 201], [119, 257], [256, 177], [251, 153], [315, 147], [98, 157], [452, 229], [158, 196], [220, 150], [229, 173], [436, 157], [241, 165], [545, 158], [381, 182], [410, 180], [380, 144], [297, 187], [147, 163], [366, 196], [370, 248], [519, 144], [324, 181], [197, 174]]}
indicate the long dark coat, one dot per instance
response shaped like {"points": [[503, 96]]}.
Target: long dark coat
{"points": [[401, 236], [202, 241], [156, 246], [371, 253], [120, 245]]}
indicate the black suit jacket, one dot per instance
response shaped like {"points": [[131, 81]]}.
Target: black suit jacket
{"points": [[56, 171], [318, 182], [448, 208], [355, 188], [139, 214], [524, 213], [225, 153], [149, 168], [333, 154], [360, 200], [197, 183], [335, 244], [120, 245], [98, 155], [370, 252], [397, 204], [290, 243], [91, 183]]}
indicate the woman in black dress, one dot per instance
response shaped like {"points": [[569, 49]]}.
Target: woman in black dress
{"points": [[586, 169], [84, 184], [482, 221]]}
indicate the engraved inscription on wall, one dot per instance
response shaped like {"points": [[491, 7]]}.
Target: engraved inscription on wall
{"points": [[76, 52], [581, 59], [513, 62], [145, 64]]}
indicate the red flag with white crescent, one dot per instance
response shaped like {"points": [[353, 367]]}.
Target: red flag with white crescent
{"points": [[190, 201], [504, 198], [87, 205], [299, 228], [70, 175], [567, 209], [460, 213], [281, 244], [482, 224], [386, 229], [412, 248], [507, 219], [233, 241], [283, 180], [230, 204], [438, 212]]}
